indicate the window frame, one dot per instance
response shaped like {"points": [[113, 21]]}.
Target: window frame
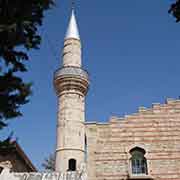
{"points": [[72, 164], [138, 162], [141, 150]]}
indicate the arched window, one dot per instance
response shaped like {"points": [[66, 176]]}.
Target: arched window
{"points": [[138, 161], [72, 165]]}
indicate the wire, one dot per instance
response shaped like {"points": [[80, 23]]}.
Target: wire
{"points": [[51, 45]]}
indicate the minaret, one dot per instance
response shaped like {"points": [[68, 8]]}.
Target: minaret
{"points": [[71, 84]]}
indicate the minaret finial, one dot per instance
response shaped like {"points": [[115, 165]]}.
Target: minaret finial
{"points": [[73, 4], [72, 31]]}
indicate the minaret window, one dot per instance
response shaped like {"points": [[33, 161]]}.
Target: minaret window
{"points": [[72, 165], [138, 161], [85, 149], [1, 169]]}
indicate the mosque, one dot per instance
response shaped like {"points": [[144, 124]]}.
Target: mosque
{"points": [[140, 146]]}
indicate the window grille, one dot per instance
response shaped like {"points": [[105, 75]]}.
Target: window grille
{"points": [[138, 161]]}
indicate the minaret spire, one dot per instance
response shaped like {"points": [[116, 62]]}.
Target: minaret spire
{"points": [[72, 31]]}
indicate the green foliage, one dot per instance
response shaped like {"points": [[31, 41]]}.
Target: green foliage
{"points": [[49, 163], [19, 22], [6, 146], [175, 10]]}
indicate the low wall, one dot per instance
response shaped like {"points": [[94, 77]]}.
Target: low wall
{"points": [[7, 175]]}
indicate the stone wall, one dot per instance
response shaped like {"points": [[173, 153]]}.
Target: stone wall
{"points": [[6, 175], [156, 130], [70, 131]]}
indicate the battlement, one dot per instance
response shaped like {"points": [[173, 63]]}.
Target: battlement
{"points": [[171, 106]]}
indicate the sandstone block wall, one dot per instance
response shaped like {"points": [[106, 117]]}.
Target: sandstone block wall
{"points": [[72, 53], [70, 130], [156, 130]]}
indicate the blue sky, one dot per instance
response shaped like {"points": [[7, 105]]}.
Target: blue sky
{"points": [[131, 51]]}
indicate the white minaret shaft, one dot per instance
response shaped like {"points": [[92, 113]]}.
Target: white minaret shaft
{"points": [[72, 45], [71, 84]]}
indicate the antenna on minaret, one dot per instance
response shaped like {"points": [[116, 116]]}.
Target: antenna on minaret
{"points": [[73, 4]]}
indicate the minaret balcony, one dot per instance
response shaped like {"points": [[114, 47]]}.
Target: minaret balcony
{"points": [[71, 79], [72, 71]]}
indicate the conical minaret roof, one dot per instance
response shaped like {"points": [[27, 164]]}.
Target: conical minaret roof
{"points": [[72, 31]]}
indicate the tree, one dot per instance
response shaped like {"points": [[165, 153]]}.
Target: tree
{"points": [[175, 10], [49, 163], [19, 22]]}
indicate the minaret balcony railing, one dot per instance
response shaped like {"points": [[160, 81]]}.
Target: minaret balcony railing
{"points": [[71, 71]]}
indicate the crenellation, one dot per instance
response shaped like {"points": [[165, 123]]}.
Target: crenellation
{"points": [[114, 119], [142, 109], [170, 101]]}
